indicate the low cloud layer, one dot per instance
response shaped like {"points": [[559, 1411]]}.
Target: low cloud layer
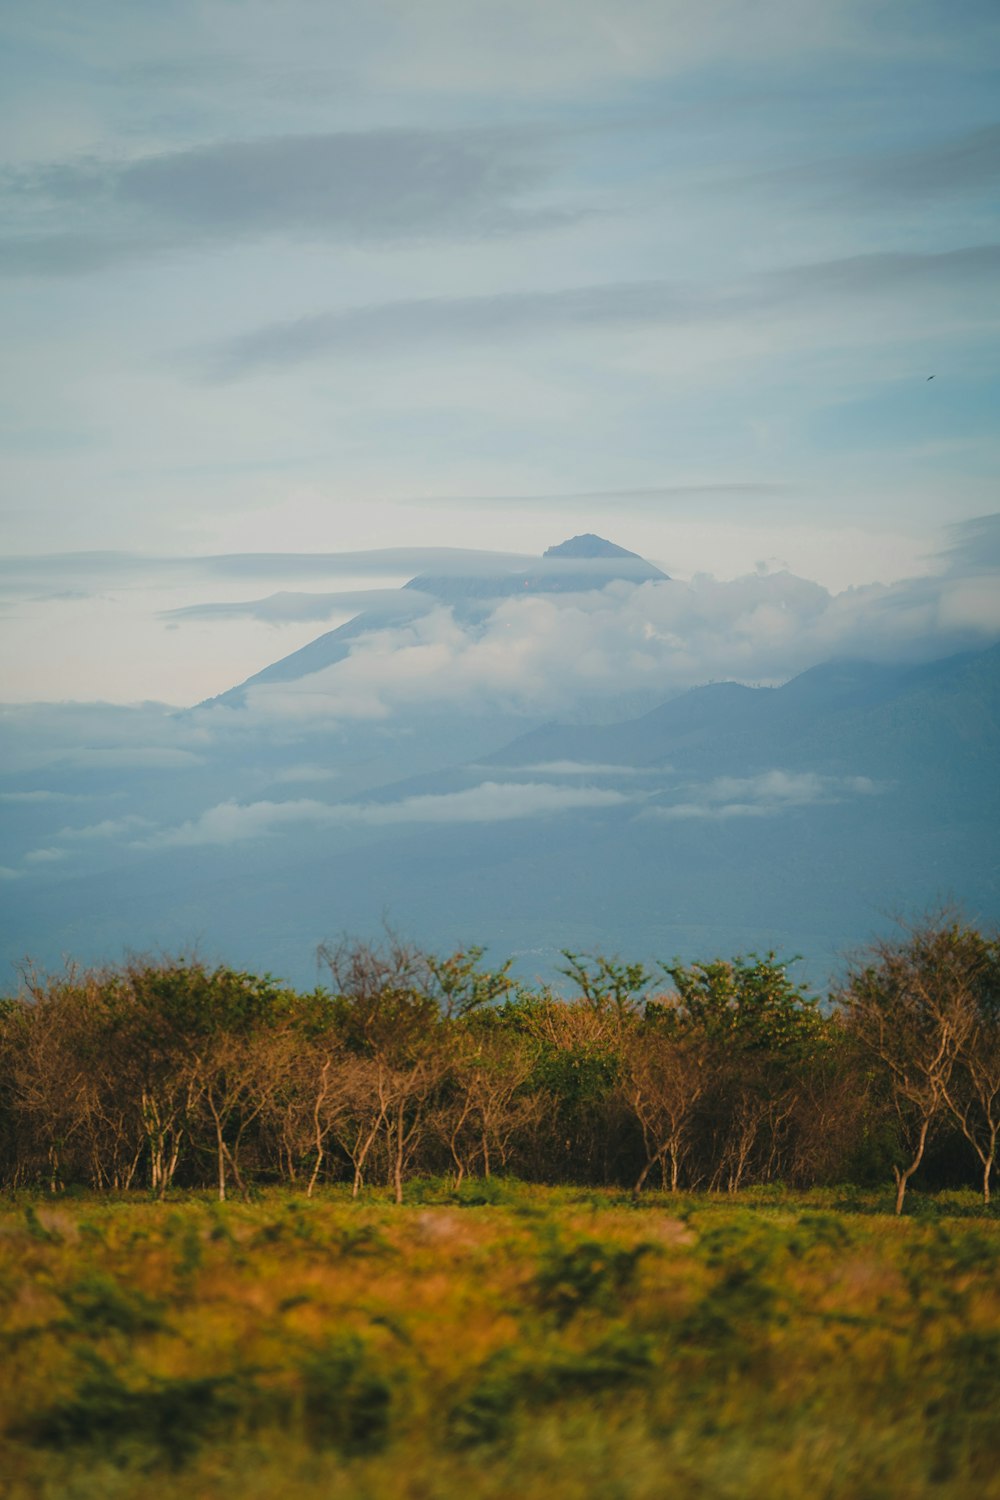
{"points": [[107, 828], [490, 802], [45, 571], [587, 768], [549, 655], [765, 795], [281, 608]]}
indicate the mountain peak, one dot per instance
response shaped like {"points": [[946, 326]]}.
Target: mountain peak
{"points": [[587, 545]]}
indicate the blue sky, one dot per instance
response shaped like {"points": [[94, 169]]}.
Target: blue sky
{"points": [[318, 277]]}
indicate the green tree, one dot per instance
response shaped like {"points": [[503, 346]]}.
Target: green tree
{"points": [[750, 1002], [606, 983], [757, 1032]]}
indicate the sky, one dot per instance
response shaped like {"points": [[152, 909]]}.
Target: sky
{"points": [[312, 280]]}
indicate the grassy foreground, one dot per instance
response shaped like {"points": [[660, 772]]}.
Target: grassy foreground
{"points": [[544, 1343]]}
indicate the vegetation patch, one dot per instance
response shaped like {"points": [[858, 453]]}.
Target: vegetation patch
{"points": [[426, 1234], [767, 1347]]}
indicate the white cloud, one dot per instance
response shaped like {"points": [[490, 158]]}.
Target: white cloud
{"points": [[44, 856], [305, 773], [683, 810], [39, 796], [108, 828], [234, 822], [550, 654], [763, 795], [588, 768], [490, 802], [133, 757], [784, 787]]}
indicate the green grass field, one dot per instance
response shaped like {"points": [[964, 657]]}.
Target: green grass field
{"points": [[544, 1343]]}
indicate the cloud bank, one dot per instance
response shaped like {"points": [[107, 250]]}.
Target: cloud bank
{"points": [[548, 654], [765, 795], [490, 802]]}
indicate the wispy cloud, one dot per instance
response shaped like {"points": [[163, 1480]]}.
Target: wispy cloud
{"points": [[41, 796], [652, 497], [974, 545], [386, 604], [490, 802], [107, 828], [764, 795], [588, 768], [44, 856], [306, 773], [133, 757], [944, 168], [354, 185], [26, 575], [547, 654], [383, 328]]}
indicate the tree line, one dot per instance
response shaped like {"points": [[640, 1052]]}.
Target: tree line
{"points": [[167, 1074]]}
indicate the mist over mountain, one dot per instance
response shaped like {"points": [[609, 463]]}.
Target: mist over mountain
{"points": [[581, 565], [519, 762]]}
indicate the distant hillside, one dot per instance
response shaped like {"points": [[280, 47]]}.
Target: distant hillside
{"points": [[874, 719], [800, 818]]}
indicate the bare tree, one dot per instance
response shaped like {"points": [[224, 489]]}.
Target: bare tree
{"points": [[973, 1090], [314, 1104], [59, 1074], [486, 1103], [390, 1022], [754, 1120], [236, 1075], [910, 1006], [832, 1109], [366, 1102], [663, 1079], [412, 1084], [974, 1097]]}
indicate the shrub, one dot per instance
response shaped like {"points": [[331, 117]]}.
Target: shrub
{"points": [[99, 1304], [346, 1402], [165, 1420], [587, 1274]]}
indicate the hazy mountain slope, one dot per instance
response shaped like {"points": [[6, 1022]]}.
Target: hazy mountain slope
{"points": [[873, 717], [800, 818], [815, 880]]}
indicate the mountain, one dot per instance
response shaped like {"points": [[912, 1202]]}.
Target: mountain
{"points": [[325, 651], [728, 818], [875, 719], [579, 565], [587, 545]]}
